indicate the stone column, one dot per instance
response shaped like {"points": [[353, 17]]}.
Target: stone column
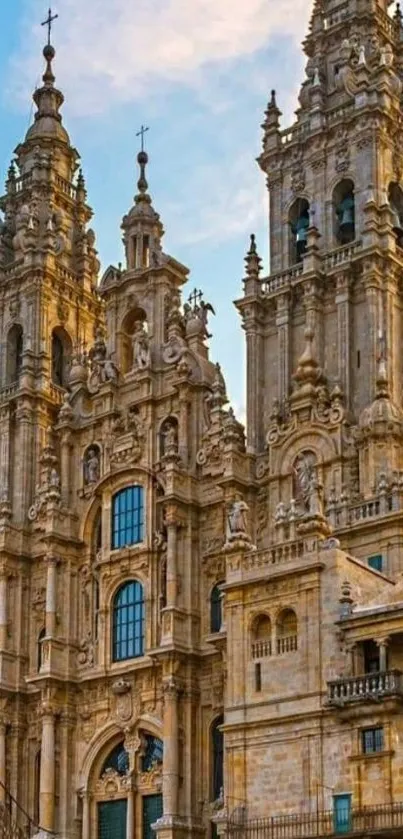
{"points": [[23, 461], [51, 605], [343, 335], [86, 816], [67, 722], [47, 776], [382, 644], [130, 813], [65, 466], [284, 350], [4, 453], [170, 770], [3, 608], [3, 729], [172, 543]]}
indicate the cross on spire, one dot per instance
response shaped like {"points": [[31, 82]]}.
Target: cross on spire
{"points": [[48, 22], [143, 130], [195, 298]]}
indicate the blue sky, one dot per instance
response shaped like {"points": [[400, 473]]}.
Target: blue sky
{"points": [[199, 74]]}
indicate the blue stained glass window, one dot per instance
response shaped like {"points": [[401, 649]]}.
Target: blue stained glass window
{"points": [[128, 517], [153, 752], [128, 622], [118, 760]]}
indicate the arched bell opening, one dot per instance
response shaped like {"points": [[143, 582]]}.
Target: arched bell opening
{"points": [[299, 223], [61, 352], [344, 212], [395, 197], [133, 330], [15, 347]]}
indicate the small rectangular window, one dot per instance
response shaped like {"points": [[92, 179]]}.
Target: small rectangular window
{"points": [[376, 562], [134, 251], [258, 677], [372, 740], [358, 359]]}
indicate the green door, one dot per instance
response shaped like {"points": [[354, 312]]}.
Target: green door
{"points": [[112, 819], [152, 811]]}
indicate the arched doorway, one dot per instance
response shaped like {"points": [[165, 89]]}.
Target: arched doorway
{"points": [[125, 795]]}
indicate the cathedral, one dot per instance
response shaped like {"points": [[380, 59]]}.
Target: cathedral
{"points": [[201, 626]]}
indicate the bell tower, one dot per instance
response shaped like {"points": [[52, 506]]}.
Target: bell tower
{"points": [[49, 304], [324, 329]]}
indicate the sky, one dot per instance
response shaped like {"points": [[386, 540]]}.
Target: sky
{"points": [[199, 74]]}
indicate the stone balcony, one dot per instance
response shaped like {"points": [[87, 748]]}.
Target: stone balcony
{"points": [[369, 687]]}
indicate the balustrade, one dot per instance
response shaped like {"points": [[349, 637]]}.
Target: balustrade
{"points": [[288, 644], [369, 686], [261, 649]]}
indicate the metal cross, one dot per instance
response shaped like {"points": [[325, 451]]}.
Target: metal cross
{"points": [[48, 22], [143, 130], [195, 297]]}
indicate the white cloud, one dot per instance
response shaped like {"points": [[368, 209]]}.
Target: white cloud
{"points": [[228, 200], [119, 50]]}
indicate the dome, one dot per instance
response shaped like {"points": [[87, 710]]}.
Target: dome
{"points": [[47, 127]]}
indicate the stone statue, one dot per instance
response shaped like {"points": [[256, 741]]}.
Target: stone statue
{"points": [[237, 523], [305, 474], [103, 369], [170, 439], [141, 348], [92, 466]]}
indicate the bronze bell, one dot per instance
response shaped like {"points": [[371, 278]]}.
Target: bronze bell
{"points": [[301, 233]]}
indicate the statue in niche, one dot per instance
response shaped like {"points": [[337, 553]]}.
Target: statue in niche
{"points": [[237, 523], [141, 347], [92, 466], [171, 439], [306, 483], [103, 368]]}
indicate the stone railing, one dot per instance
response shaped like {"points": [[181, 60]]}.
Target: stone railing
{"points": [[288, 644], [339, 256], [339, 15], [8, 391], [281, 280], [346, 515], [376, 820], [261, 649], [370, 686], [271, 557]]}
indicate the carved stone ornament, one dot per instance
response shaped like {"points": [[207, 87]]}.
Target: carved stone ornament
{"points": [[125, 449], [123, 699], [173, 350], [112, 785]]}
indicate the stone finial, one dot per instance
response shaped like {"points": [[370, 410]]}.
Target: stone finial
{"points": [[252, 260], [308, 370]]}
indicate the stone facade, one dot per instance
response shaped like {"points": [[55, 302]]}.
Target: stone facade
{"points": [[257, 669]]}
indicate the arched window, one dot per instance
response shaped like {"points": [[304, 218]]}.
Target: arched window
{"points": [[128, 622], [128, 517], [61, 354], [395, 196], [344, 212], [215, 609], [117, 761], [261, 637], [217, 754], [153, 752], [299, 223], [287, 632], [41, 637], [15, 346]]}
